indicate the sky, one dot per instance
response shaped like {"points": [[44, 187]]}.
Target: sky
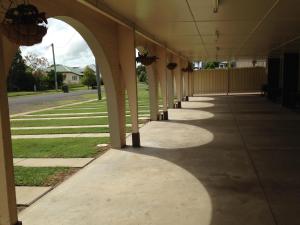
{"points": [[70, 48]]}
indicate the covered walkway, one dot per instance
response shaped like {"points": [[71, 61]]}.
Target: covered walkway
{"points": [[219, 160]]}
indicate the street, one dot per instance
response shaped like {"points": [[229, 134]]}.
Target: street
{"points": [[35, 102]]}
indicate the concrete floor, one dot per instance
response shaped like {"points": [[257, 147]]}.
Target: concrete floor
{"points": [[226, 160]]}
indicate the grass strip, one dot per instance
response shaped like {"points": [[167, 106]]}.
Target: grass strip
{"points": [[57, 147], [40, 176]]}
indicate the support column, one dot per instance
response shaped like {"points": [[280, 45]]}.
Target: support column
{"points": [[190, 80], [153, 91], [162, 74], [8, 207], [273, 78], [170, 86], [178, 80], [290, 79], [128, 70], [185, 82]]}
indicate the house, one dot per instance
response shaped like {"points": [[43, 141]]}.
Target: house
{"points": [[71, 75]]}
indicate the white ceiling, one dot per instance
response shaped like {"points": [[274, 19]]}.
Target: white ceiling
{"points": [[247, 28]]}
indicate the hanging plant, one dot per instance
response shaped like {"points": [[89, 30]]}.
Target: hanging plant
{"points": [[189, 68], [146, 60], [171, 66], [24, 25]]}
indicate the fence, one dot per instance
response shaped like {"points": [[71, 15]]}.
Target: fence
{"points": [[225, 81]]}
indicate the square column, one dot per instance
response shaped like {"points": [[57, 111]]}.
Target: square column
{"points": [[128, 70], [8, 206], [162, 74], [273, 78], [290, 79], [170, 87], [178, 80], [153, 91]]}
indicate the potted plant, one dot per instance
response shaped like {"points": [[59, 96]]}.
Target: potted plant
{"points": [[171, 66], [145, 59]]}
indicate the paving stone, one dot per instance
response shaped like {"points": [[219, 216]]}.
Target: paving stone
{"points": [[64, 118], [53, 162], [39, 136], [64, 127], [28, 195]]}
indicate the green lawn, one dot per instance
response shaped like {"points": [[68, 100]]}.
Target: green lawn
{"points": [[64, 147], [67, 122], [57, 148], [45, 176]]}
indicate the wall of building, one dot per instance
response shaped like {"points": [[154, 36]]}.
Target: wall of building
{"points": [[243, 63], [71, 78]]}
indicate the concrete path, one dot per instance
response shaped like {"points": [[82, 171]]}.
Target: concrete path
{"points": [[27, 195], [52, 162], [219, 170], [91, 108], [72, 114], [67, 118], [65, 127], [40, 136]]}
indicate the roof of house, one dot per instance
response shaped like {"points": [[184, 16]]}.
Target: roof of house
{"points": [[66, 69]]}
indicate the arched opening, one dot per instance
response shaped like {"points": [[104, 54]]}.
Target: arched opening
{"points": [[111, 113]]}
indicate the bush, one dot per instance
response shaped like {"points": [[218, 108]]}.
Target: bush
{"points": [[89, 77], [142, 74]]}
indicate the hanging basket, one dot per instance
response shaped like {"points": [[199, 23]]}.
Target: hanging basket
{"points": [[24, 25], [171, 66], [146, 60]]}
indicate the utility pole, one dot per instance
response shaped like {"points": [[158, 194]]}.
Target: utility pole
{"points": [[54, 64], [98, 78]]}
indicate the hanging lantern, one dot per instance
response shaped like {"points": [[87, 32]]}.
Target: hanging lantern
{"points": [[145, 59], [24, 25], [171, 66]]}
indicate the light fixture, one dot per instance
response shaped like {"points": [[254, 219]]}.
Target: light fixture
{"points": [[216, 6]]}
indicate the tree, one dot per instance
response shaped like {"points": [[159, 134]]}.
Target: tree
{"points": [[36, 63], [89, 77], [19, 77], [38, 67], [142, 74], [211, 65], [51, 79]]}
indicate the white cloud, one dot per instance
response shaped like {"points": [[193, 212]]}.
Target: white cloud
{"points": [[70, 48]]}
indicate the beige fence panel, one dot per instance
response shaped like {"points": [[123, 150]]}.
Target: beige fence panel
{"points": [[247, 79], [223, 81], [210, 81]]}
